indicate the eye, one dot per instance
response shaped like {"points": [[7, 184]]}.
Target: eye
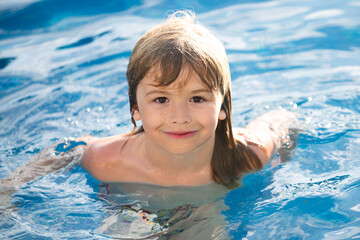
{"points": [[197, 99], [161, 100]]}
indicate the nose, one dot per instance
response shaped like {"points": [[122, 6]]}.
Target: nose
{"points": [[179, 113]]}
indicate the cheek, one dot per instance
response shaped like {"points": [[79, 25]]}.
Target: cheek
{"points": [[151, 118], [208, 116]]}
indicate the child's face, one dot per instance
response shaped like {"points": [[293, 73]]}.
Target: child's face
{"points": [[179, 118]]}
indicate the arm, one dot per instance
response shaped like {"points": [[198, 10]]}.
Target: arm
{"points": [[272, 132], [47, 161]]}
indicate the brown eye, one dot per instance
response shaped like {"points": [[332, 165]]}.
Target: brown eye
{"points": [[197, 99], [161, 100]]}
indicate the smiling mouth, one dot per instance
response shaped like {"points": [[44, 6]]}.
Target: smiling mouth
{"points": [[181, 134]]}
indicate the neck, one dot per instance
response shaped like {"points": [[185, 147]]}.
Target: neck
{"points": [[194, 163]]}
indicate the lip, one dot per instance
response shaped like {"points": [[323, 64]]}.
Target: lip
{"points": [[181, 134]]}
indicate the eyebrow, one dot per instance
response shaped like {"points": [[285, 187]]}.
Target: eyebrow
{"points": [[166, 92]]}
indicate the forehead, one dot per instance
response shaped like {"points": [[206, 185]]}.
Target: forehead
{"points": [[186, 78]]}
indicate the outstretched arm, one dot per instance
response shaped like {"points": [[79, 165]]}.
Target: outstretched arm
{"points": [[273, 132], [47, 161]]}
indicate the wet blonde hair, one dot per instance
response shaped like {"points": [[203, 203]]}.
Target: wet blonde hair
{"points": [[178, 41]]}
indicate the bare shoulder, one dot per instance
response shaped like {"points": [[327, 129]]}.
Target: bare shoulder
{"points": [[103, 155], [269, 132], [258, 141]]}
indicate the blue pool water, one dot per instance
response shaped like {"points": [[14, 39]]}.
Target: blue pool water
{"points": [[62, 74]]}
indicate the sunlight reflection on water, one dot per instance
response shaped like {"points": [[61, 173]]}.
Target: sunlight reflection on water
{"points": [[66, 77]]}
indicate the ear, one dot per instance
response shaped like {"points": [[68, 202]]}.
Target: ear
{"points": [[222, 115], [136, 115]]}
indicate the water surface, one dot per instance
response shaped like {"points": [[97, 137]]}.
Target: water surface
{"points": [[62, 74]]}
